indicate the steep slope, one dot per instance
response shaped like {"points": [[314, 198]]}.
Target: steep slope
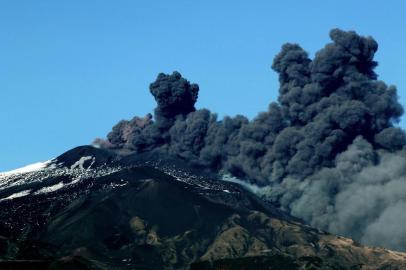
{"points": [[87, 209]]}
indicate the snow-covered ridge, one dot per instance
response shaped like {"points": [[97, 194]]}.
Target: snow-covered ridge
{"points": [[29, 168], [37, 172], [83, 168], [76, 174], [195, 180]]}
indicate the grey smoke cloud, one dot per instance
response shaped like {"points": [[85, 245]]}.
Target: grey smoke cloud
{"points": [[328, 150], [359, 197]]}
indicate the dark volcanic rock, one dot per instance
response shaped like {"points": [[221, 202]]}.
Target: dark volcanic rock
{"points": [[90, 210], [98, 156]]}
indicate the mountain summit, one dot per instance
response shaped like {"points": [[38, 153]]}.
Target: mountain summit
{"points": [[92, 209]]}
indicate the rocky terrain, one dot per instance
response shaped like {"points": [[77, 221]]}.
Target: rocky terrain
{"points": [[90, 209]]}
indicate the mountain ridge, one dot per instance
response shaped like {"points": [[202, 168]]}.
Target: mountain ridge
{"points": [[156, 214]]}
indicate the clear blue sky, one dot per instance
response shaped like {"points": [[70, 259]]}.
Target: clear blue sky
{"points": [[69, 70]]}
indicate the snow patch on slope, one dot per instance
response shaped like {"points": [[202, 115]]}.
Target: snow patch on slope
{"points": [[50, 188], [80, 163], [17, 195]]}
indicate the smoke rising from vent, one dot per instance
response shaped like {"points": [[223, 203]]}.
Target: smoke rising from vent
{"points": [[328, 150]]}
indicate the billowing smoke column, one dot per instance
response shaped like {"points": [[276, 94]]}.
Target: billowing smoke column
{"points": [[327, 151], [175, 97]]}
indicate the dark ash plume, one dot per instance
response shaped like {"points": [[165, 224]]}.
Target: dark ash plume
{"points": [[175, 96], [328, 150]]}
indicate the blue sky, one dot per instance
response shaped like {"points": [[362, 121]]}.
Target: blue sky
{"points": [[69, 70]]}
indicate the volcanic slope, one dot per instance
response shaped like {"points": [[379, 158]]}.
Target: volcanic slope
{"points": [[90, 209]]}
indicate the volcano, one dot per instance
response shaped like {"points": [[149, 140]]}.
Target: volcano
{"points": [[92, 209]]}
